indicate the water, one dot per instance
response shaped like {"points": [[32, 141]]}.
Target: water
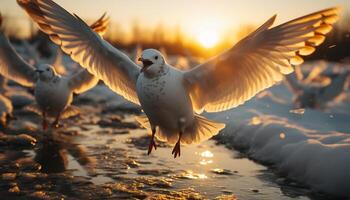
{"points": [[208, 168]]}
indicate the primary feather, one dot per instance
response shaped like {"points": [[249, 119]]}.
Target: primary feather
{"points": [[256, 62], [86, 47]]}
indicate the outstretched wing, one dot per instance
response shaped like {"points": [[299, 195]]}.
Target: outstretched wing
{"points": [[82, 81], [99, 26], [33, 10], [12, 66], [257, 61], [86, 47]]}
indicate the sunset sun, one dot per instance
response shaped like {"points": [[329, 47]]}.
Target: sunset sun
{"points": [[208, 38]]}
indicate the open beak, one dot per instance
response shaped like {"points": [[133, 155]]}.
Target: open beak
{"points": [[39, 71], [146, 63]]}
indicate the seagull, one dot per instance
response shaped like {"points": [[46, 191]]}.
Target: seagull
{"points": [[173, 99], [53, 93], [317, 96]]}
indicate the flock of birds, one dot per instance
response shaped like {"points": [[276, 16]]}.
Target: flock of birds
{"points": [[171, 98]]}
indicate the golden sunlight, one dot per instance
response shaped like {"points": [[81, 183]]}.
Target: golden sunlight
{"points": [[207, 32], [208, 38]]}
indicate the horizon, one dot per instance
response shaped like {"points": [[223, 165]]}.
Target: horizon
{"points": [[225, 16]]}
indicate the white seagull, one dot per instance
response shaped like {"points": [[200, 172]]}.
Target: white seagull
{"points": [[172, 99], [53, 93], [317, 96]]}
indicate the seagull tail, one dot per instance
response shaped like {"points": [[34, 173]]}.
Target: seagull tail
{"points": [[201, 130], [70, 111]]}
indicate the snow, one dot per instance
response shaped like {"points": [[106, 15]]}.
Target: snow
{"points": [[308, 146]]}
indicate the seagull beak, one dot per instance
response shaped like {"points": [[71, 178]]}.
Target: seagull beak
{"points": [[146, 63], [39, 71]]}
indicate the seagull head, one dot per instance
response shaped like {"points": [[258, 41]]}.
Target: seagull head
{"points": [[151, 59], [46, 72]]}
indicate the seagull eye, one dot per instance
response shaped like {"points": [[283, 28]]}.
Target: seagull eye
{"points": [[156, 57], [47, 69]]}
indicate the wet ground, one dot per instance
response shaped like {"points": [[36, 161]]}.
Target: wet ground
{"points": [[101, 154]]}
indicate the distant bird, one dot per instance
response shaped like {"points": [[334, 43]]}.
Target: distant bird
{"points": [[173, 99], [53, 93], [317, 95]]}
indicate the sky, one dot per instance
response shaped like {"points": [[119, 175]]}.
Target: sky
{"points": [[191, 16]]}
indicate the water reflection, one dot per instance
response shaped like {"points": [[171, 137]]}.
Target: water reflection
{"points": [[189, 174], [54, 151], [51, 156], [206, 155]]}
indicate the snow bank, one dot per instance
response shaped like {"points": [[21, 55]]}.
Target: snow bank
{"points": [[311, 147]]}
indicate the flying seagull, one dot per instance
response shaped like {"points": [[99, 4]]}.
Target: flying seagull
{"points": [[53, 93], [172, 99]]}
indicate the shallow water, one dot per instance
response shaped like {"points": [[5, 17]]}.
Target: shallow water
{"points": [[209, 169], [105, 158]]}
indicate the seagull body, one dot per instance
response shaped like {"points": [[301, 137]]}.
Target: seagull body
{"points": [[173, 99], [167, 103], [53, 93]]}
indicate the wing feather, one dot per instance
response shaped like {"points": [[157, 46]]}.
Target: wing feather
{"points": [[85, 46], [13, 67], [82, 81], [257, 61]]}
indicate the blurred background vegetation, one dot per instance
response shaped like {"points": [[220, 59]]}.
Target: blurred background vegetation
{"points": [[174, 41]]}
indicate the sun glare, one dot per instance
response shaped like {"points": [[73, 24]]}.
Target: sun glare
{"points": [[208, 38]]}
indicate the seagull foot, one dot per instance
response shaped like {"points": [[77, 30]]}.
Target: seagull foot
{"points": [[45, 125], [151, 145], [176, 151], [55, 125]]}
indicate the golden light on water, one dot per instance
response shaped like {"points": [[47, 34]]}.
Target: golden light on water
{"points": [[205, 162], [192, 175], [282, 135], [207, 154], [255, 121]]}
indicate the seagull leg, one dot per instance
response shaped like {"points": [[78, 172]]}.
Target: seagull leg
{"points": [[55, 123], [44, 124], [176, 151], [152, 143]]}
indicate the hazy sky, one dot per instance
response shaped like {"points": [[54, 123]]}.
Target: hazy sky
{"points": [[190, 15]]}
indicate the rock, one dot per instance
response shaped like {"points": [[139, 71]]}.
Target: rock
{"points": [[23, 125], [221, 171], [9, 176], [39, 195], [255, 190], [154, 172], [14, 189], [226, 197], [19, 141], [117, 123], [24, 139], [132, 163]]}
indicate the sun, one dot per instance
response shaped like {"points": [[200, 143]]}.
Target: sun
{"points": [[208, 38]]}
